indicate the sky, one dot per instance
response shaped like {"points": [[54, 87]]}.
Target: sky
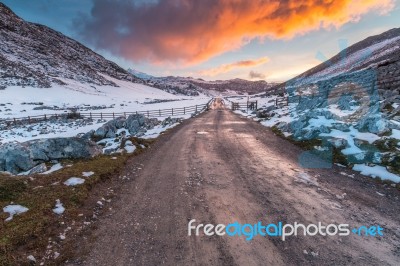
{"points": [[258, 39]]}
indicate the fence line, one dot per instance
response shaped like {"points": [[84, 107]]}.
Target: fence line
{"points": [[281, 101], [249, 105], [102, 115]]}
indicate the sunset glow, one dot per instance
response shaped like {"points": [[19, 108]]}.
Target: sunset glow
{"points": [[211, 39]]}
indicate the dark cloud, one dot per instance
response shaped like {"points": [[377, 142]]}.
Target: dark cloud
{"points": [[256, 75], [191, 31]]}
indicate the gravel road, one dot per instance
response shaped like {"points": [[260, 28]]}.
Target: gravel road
{"points": [[222, 168]]}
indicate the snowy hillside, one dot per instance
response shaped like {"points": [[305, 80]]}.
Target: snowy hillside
{"points": [[348, 108], [43, 72], [35, 55], [380, 53]]}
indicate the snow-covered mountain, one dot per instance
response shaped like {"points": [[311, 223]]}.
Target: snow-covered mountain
{"points": [[379, 53], [43, 72], [140, 74], [35, 55], [192, 86]]}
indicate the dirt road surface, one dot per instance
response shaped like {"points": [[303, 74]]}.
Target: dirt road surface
{"points": [[222, 168]]}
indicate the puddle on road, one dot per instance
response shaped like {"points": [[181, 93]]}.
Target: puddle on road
{"points": [[234, 122], [202, 132]]}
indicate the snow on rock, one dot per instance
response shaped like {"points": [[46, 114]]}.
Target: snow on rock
{"points": [[73, 181], [59, 208], [376, 171], [14, 210], [54, 168]]}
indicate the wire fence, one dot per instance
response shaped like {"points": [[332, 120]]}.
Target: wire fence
{"points": [[104, 115]]}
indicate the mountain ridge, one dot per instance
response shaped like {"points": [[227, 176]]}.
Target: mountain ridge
{"points": [[32, 54]]}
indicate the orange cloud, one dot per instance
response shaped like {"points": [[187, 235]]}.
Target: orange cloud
{"points": [[228, 67], [191, 31]]}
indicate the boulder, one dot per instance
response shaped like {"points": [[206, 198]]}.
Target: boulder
{"points": [[134, 122], [338, 142], [374, 124], [41, 168], [108, 130], [20, 157], [119, 122]]}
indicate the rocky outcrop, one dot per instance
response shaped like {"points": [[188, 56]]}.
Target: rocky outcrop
{"points": [[20, 157], [135, 124]]}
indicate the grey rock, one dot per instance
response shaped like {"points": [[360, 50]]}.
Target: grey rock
{"points": [[88, 135], [374, 124], [41, 168], [341, 126], [100, 133], [120, 122], [133, 126], [134, 122], [21, 157], [338, 142]]}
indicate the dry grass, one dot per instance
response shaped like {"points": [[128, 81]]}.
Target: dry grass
{"points": [[29, 233]]}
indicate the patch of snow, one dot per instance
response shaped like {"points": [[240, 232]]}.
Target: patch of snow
{"points": [[73, 181], [14, 210], [350, 136], [87, 174], [59, 209], [54, 168], [336, 110], [157, 130], [320, 121], [395, 134], [31, 258], [376, 171], [305, 178], [130, 149]]}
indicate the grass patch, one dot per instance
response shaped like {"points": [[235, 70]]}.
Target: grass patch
{"points": [[337, 155], [29, 233], [387, 144]]}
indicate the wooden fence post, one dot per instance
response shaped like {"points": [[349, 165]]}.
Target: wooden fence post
{"points": [[184, 111], [113, 115], [159, 112], [90, 115], [101, 115], [172, 112], [196, 108], [148, 115]]}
